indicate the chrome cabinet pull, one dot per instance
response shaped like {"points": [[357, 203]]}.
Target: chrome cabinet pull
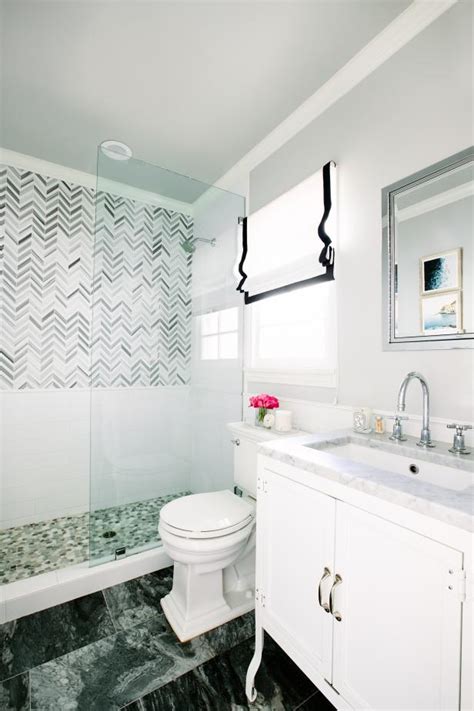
{"points": [[326, 574], [334, 613]]}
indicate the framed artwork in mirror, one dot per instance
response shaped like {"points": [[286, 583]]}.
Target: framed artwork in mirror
{"points": [[441, 272], [441, 313]]}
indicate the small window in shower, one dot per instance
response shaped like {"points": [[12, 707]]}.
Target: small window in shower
{"points": [[218, 333]]}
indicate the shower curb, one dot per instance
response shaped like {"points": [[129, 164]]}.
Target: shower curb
{"points": [[39, 592]]}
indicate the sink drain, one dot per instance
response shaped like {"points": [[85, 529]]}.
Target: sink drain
{"points": [[109, 534], [414, 469]]}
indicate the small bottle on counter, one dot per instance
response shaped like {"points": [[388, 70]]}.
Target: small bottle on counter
{"points": [[379, 424], [362, 420]]}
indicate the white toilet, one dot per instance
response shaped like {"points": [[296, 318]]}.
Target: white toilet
{"points": [[211, 539]]}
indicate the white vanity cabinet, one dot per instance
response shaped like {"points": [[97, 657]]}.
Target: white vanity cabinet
{"points": [[398, 642], [293, 529], [370, 610]]}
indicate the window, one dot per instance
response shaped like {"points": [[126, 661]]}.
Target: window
{"points": [[218, 334], [295, 330]]}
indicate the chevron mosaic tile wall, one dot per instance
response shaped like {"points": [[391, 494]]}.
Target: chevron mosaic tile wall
{"points": [[122, 305]]}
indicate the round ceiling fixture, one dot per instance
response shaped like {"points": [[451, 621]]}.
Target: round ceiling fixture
{"points": [[116, 150]]}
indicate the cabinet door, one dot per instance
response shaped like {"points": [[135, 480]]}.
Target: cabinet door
{"points": [[296, 543], [398, 643]]}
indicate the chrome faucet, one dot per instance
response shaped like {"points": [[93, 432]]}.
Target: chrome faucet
{"points": [[425, 436]]}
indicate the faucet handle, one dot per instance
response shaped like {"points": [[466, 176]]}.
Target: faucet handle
{"points": [[459, 446], [459, 428], [397, 432]]}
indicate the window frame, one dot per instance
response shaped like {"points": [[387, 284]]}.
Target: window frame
{"points": [[218, 333]]}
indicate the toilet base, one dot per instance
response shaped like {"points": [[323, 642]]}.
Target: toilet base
{"points": [[237, 603]]}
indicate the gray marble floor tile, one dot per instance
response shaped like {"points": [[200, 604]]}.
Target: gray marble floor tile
{"points": [[316, 702], [279, 680], [35, 639], [219, 684], [115, 671], [15, 693], [137, 601], [232, 633], [187, 655]]}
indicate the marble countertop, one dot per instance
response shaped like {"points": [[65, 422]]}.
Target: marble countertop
{"points": [[455, 507]]}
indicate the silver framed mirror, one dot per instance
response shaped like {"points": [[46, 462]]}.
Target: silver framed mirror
{"points": [[428, 257]]}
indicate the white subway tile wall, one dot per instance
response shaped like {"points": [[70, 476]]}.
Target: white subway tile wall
{"points": [[45, 450]]}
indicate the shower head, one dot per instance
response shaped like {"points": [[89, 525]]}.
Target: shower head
{"points": [[189, 245]]}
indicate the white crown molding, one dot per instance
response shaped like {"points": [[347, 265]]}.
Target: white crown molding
{"points": [[393, 37], [44, 167], [447, 197], [89, 180]]}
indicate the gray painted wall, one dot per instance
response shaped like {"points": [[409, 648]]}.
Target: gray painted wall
{"points": [[413, 111]]}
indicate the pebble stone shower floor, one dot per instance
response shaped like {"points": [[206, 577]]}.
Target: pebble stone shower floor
{"points": [[40, 547]]}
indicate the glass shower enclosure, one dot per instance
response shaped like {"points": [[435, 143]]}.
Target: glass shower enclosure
{"points": [[166, 347]]}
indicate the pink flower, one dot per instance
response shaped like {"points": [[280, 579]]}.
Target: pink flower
{"points": [[269, 402]]}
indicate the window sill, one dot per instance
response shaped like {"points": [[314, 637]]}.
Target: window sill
{"points": [[302, 376]]}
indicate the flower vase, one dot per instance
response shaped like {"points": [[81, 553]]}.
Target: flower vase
{"points": [[260, 413]]}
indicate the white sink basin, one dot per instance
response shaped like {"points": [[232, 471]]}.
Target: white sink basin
{"points": [[437, 474]]}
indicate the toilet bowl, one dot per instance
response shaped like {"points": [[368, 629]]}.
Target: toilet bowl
{"points": [[211, 539]]}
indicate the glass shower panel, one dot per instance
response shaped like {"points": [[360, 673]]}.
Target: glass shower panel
{"points": [[217, 353], [159, 238]]}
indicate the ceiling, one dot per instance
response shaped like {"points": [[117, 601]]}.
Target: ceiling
{"points": [[191, 86]]}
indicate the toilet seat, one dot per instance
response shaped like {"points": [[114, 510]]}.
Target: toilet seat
{"points": [[209, 515]]}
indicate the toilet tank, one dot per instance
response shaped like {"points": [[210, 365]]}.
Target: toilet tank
{"points": [[246, 439]]}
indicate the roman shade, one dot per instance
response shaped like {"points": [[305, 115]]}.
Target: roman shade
{"points": [[288, 243]]}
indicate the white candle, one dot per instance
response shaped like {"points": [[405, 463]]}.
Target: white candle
{"points": [[283, 420]]}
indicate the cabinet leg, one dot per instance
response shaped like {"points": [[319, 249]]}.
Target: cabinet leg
{"points": [[250, 689]]}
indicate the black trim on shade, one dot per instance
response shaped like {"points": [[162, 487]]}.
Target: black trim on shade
{"points": [[244, 256], [326, 256]]}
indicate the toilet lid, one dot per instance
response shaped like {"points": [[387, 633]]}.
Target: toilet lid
{"points": [[204, 513]]}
